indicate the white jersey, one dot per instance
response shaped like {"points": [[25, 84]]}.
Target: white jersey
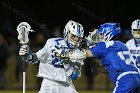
{"points": [[45, 55], [135, 52]]}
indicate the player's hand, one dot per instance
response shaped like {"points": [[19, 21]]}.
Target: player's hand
{"points": [[59, 52], [24, 49], [91, 38], [92, 35], [77, 55]]}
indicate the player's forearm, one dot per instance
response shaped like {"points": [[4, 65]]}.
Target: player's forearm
{"points": [[88, 53]]}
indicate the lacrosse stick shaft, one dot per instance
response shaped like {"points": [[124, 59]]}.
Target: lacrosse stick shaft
{"points": [[24, 73], [24, 82]]}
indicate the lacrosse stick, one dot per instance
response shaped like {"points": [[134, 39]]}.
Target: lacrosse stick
{"points": [[23, 31]]}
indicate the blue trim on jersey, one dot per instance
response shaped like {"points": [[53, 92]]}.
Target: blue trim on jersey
{"points": [[56, 63], [74, 75], [58, 40], [68, 44]]}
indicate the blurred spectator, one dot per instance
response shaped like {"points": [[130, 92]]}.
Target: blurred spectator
{"points": [[91, 70], [18, 63], [3, 61], [45, 30], [8, 31], [126, 35], [40, 40], [57, 31]]}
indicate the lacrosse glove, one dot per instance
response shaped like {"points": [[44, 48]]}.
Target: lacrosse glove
{"points": [[25, 51]]}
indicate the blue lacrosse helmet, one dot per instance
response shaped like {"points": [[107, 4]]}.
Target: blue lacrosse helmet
{"points": [[109, 30]]}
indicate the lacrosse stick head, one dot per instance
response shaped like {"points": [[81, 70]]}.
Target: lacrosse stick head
{"points": [[23, 31]]}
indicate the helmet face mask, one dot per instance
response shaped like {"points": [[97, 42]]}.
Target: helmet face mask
{"points": [[135, 29], [74, 39], [136, 34], [73, 33]]}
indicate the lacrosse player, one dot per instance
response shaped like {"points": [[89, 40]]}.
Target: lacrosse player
{"points": [[134, 43], [60, 60], [115, 57]]}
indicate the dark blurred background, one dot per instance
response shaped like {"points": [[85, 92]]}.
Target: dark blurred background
{"points": [[90, 13], [48, 18]]}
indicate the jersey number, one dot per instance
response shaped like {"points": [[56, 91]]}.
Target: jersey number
{"points": [[129, 60]]}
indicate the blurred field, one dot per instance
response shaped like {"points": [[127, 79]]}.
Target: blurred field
{"points": [[36, 91]]}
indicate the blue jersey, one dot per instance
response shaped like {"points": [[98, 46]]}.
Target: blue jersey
{"points": [[114, 57]]}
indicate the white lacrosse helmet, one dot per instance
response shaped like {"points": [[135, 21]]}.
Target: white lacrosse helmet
{"points": [[73, 33], [135, 29]]}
